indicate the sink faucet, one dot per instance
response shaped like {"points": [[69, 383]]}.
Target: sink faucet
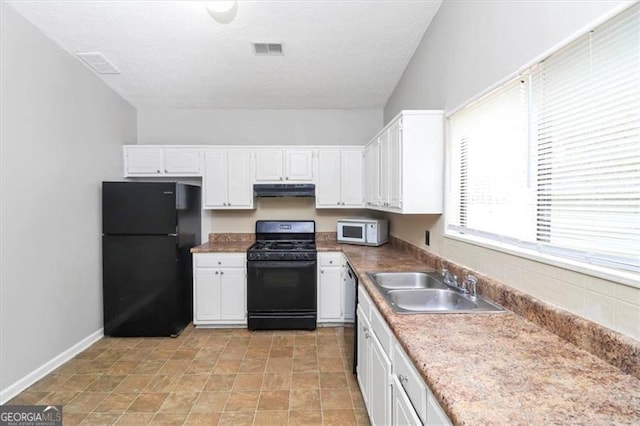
{"points": [[470, 285], [449, 279]]}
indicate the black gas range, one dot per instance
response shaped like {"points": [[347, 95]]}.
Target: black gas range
{"points": [[282, 276]]}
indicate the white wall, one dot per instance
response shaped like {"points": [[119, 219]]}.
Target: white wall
{"points": [[61, 131], [257, 127], [469, 46]]}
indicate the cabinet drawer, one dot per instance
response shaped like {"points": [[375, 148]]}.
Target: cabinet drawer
{"points": [[330, 259], [411, 381], [220, 260], [382, 331], [364, 301]]}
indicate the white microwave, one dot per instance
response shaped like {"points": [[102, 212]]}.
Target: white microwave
{"points": [[366, 232]]}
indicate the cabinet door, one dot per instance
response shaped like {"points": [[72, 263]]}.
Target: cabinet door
{"points": [[233, 294], [384, 168], [182, 161], [298, 164], [362, 369], [142, 160], [351, 173], [372, 174], [394, 170], [269, 165], [207, 295], [329, 179], [239, 185], [380, 389], [401, 408], [215, 178], [330, 288]]}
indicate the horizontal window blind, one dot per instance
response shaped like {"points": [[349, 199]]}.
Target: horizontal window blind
{"points": [[551, 162], [587, 103]]}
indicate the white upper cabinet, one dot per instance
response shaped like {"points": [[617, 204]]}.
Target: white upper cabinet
{"points": [[404, 165], [153, 160], [339, 183], [284, 165], [227, 182]]}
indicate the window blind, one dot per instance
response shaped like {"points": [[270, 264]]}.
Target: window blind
{"points": [[587, 104], [550, 162]]}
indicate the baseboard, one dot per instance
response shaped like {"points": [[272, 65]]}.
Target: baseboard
{"points": [[46, 368]]}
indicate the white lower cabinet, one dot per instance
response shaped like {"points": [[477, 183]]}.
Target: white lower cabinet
{"points": [[392, 389], [374, 368], [335, 300], [219, 289]]}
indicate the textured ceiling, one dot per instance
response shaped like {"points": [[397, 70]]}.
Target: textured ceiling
{"points": [[337, 54]]}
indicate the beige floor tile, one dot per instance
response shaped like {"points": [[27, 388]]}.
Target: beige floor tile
{"points": [[336, 399], [271, 418], [305, 351], [134, 383], [227, 366], [307, 380], [100, 419], [220, 382], [163, 383], [78, 382], [334, 380], [28, 397], [279, 365], [204, 419], [179, 402], [233, 352], [105, 383], [192, 382], [339, 417], [149, 366], [58, 398], [174, 367], [240, 418], [305, 417], [281, 352], [305, 364], [116, 403], [261, 352], [362, 417], [73, 419], [331, 364], [120, 368], [135, 419], [242, 401], [239, 341], [273, 400], [85, 402], [261, 341], [248, 382], [304, 399], [199, 366], [176, 419], [148, 402], [136, 354], [253, 366], [276, 381], [49, 383], [210, 402]]}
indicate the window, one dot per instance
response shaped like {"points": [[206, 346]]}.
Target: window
{"points": [[550, 161]]}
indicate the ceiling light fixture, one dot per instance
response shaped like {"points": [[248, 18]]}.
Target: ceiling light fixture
{"points": [[222, 11]]}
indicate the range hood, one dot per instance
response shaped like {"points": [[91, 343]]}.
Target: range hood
{"points": [[284, 190]]}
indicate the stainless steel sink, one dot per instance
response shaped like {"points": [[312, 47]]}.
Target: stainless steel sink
{"points": [[432, 300], [420, 292], [405, 280]]}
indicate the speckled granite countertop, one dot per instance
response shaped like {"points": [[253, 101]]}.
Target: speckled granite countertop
{"points": [[492, 369], [499, 368]]}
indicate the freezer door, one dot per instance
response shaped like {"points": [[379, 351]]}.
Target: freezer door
{"points": [[142, 294], [139, 208]]}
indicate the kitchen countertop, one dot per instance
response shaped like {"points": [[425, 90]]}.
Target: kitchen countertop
{"points": [[492, 368]]}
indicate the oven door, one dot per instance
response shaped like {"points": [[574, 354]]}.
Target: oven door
{"points": [[352, 232], [281, 286]]}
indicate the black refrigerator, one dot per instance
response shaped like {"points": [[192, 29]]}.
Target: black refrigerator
{"points": [[148, 229]]}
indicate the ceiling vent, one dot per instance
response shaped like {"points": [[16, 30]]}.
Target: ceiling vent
{"points": [[97, 62], [268, 49]]}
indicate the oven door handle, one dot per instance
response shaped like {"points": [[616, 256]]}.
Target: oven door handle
{"points": [[280, 263]]}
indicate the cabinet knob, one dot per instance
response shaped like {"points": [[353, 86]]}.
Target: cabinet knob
{"points": [[322, 271], [166, 171], [280, 178], [221, 272], [402, 378], [157, 171], [228, 204], [216, 272], [338, 203], [219, 262], [287, 178], [331, 262]]}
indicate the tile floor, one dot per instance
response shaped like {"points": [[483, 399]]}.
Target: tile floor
{"points": [[209, 377]]}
